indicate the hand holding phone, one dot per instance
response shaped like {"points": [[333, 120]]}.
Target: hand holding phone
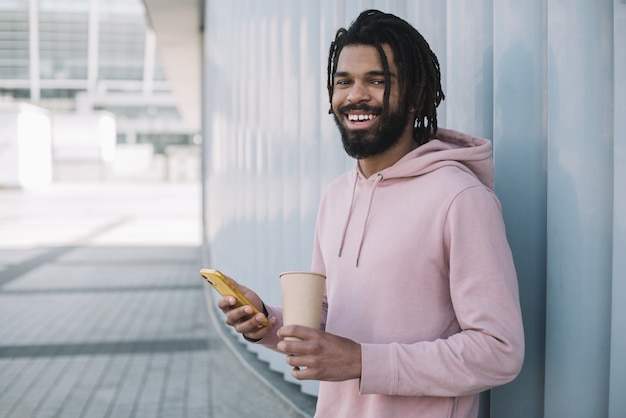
{"points": [[226, 288]]}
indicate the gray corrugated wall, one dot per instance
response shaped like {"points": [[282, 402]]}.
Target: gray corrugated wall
{"points": [[544, 79]]}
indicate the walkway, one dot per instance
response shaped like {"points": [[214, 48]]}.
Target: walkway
{"points": [[101, 306]]}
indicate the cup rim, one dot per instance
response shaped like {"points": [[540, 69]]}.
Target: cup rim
{"points": [[302, 272]]}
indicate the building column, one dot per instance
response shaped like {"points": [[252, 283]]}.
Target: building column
{"points": [[149, 62], [33, 35]]}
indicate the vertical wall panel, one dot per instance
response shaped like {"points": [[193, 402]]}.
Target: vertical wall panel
{"points": [[617, 400], [333, 159], [261, 33], [311, 88], [520, 153], [469, 71], [580, 178]]}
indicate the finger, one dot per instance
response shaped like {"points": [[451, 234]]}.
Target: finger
{"points": [[297, 333], [256, 332], [303, 372], [251, 325], [238, 315], [288, 347], [292, 345], [226, 303], [244, 320], [296, 362]]}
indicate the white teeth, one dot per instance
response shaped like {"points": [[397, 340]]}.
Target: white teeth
{"points": [[360, 117]]}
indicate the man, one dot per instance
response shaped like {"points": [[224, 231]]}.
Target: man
{"points": [[421, 308]]}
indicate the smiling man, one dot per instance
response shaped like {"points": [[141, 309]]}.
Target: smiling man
{"points": [[421, 307]]}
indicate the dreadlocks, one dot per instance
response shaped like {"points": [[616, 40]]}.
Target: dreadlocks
{"points": [[419, 74]]}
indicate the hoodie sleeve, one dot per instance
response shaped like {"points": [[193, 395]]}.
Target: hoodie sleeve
{"points": [[489, 348]]}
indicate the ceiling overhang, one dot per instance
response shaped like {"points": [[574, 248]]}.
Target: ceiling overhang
{"points": [[178, 29]]}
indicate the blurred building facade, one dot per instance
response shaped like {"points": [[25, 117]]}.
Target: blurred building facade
{"points": [[94, 59]]}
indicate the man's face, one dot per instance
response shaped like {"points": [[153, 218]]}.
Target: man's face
{"points": [[357, 102]]}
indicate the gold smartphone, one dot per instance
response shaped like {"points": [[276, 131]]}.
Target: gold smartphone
{"points": [[225, 288]]}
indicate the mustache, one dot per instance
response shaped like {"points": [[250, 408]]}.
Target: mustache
{"points": [[360, 107]]}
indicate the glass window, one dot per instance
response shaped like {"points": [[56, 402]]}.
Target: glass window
{"points": [[14, 40], [63, 39], [122, 40], [59, 93], [15, 93]]}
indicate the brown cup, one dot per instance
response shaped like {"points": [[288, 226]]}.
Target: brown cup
{"points": [[302, 295]]}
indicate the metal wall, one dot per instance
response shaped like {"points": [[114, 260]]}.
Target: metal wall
{"points": [[544, 79]]}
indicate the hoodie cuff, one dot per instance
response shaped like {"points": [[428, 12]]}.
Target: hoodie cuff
{"points": [[377, 370]]}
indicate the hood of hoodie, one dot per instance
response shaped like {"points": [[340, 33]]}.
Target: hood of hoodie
{"points": [[447, 147]]}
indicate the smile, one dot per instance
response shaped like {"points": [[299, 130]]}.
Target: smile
{"points": [[360, 118]]}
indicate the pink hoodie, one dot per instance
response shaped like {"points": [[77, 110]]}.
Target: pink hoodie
{"points": [[420, 273]]}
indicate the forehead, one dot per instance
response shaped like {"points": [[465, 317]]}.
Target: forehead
{"points": [[364, 58]]}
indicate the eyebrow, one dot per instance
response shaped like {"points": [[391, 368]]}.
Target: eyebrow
{"points": [[369, 73]]}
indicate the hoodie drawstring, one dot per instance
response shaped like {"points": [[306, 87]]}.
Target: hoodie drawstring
{"points": [[345, 227], [379, 177]]}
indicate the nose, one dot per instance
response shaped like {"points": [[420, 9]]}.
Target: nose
{"points": [[358, 93]]}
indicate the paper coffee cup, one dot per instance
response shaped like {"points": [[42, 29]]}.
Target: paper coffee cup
{"points": [[302, 295]]}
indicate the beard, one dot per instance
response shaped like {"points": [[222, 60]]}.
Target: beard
{"points": [[367, 143]]}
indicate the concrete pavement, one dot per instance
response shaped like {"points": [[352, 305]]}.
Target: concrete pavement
{"points": [[101, 304]]}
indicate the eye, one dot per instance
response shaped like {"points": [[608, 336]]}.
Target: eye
{"points": [[342, 82], [380, 82]]}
